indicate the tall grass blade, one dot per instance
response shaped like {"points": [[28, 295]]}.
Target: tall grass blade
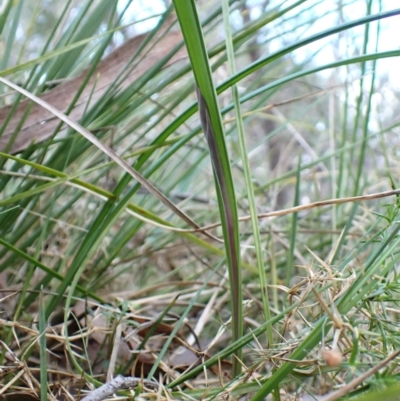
{"points": [[247, 174], [213, 130], [43, 349]]}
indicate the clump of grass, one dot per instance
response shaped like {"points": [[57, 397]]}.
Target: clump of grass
{"points": [[216, 243]]}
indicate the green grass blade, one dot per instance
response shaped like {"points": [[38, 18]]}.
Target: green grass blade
{"points": [[293, 230], [43, 349], [247, 175], [214, 133]]}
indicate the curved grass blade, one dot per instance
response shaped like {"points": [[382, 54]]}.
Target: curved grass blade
{"points": [[107, 150]]}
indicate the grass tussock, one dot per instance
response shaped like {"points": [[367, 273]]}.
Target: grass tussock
{"points": [[202, 201]]}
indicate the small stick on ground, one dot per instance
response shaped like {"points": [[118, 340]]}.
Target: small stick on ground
{"points": [[119, 383]]}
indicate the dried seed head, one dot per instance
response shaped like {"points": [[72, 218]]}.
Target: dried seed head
{"points": [[332, 357]]}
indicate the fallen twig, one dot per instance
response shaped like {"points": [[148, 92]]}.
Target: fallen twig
{"points": [[119, 383]]}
